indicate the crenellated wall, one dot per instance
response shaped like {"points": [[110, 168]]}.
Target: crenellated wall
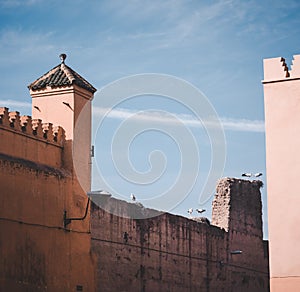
{"points": [[44, 177], [276, 69], [37, 252], [29, 139]]}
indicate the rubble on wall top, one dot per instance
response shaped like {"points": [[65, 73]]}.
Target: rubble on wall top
{"points": [[31, 127], [233, 180]]}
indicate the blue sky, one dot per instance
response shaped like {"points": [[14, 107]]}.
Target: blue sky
{"points": [[217, 46]]}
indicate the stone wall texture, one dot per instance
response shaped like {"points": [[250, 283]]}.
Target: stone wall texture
{"points": [[173, 253]]}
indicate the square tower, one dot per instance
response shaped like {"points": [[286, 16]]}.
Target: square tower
{"points": [[282, 124], [62, 97]]}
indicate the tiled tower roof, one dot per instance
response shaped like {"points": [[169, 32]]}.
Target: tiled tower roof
{"points": [[61, 75]]}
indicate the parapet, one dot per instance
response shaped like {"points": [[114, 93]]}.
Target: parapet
{"points": [[31, 127], [276, 69], [29, 139]]}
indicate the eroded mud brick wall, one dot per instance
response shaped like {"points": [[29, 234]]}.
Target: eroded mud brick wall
{"points": [[237, 208], [165, 252]]}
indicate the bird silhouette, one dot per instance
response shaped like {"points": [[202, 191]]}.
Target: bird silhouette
{"points": [[200, 210], [258, 174], [132, 197], [247, 174]]}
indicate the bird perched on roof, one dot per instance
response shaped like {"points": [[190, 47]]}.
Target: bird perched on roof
{"points": [[258, 174], [132, 197], [200, 210], [190, 211], [247, 174]]}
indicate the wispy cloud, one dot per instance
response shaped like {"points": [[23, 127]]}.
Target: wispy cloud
{"points": [[18, 45], [172, 23], [183, 23], [229, 124], [243, 125], [14, 103]]}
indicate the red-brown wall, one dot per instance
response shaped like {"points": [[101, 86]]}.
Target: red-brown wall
{"points": [[173, 253], [37, 253]]}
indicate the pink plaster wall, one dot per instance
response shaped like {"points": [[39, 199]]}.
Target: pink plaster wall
{"points": [[282, 123], [70, 108]]}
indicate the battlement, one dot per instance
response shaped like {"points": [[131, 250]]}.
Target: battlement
{"points": [[31, 127], [276, 69], [31, 139]]}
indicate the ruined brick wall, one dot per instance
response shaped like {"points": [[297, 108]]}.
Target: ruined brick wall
{"points": [[172, 253], [163, 253], [237, 208]]}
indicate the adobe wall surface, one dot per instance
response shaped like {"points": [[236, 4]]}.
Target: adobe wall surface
{"points": [[285, 284], [172, 253], [30, 139], [243, 218], [158, 254], [37, 253], [282, 124]]}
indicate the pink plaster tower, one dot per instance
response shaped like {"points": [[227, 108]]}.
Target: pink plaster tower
{"points": [[62, 97], [282, 122]]}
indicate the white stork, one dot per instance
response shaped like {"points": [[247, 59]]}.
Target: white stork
{"points": [[258, 174], [247, 174], [132, 197], [190, 211], [200, 210]]}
